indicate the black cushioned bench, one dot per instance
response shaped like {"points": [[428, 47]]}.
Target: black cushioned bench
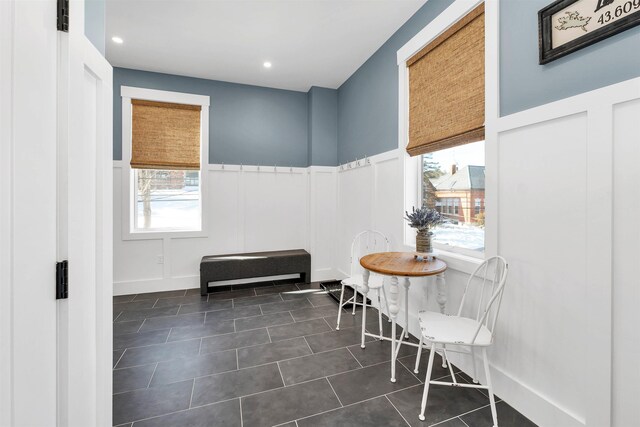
{"points": [[256, 264]]}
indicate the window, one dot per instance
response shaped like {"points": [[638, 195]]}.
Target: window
{"points": [[453, 179], [163, 152], [167, 199]]}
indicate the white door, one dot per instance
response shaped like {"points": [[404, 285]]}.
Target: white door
{"points": [[27, 213], [55, 203], [84, 228]]}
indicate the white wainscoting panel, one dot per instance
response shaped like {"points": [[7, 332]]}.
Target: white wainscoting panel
{"points": [[626, 254], [542, 222], [251, 209]]}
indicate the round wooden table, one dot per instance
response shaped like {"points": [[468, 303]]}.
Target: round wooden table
{"points": [[400, 264]]}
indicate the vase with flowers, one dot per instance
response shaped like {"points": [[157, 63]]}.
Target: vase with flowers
{"points": [[423, 220]]}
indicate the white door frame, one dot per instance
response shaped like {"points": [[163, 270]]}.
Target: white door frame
{"points": [[85, 224]]}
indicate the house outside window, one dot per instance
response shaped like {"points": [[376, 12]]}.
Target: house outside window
{"points": [[454, 180]]}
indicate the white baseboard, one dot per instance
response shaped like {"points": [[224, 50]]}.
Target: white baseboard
{"points": [[177, 283], [155, 285]]}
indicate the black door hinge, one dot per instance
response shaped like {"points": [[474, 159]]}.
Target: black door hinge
{"points": [[63, 15], [62, 279]]}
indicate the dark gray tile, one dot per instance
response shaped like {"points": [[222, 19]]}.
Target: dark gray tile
{"points": [[267, 353], [315, 326], [146, 313], [263, 299], [372, 381], [276, 289], [164, 294], [205, 306], [216, 296], [276, 307], [222, 414], [123, 298], [195, 319], [234, 340], [128, 379], [158, 353], [437, 372], [235, 313], [298, 295], [140, 339], [207, 330], [263, 321], [372, 413], [317, 366], [233, 384], [150, 402], [125, 425], [319, 300], [378, 352], [507, 417], [134, 305], [347, 320], [195, 366], [130, 327], [288, 403], [443, 403], [192, 291], [335, 339], [170, 302], [314, 313], [116, 356]]}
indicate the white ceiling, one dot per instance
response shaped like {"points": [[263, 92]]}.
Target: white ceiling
{"points": [[309, 42]]}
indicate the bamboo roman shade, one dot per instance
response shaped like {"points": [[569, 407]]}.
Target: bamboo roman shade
{"points": [[446, 88], [165, 135]]}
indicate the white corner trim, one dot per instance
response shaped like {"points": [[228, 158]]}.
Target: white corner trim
{"points": [[439, 25], [164, 96]]}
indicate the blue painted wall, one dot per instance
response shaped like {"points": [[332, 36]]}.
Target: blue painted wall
{"points": [[525, 84], [322, 127], [94, 26], [247, 124], [368, 100]]}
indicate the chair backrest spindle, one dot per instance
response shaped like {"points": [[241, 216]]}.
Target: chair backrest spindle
{"points": [[487, 313], [366, 242]]}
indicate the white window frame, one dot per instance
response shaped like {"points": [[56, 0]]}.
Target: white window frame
{"points": [[128, 93], [458, 258]]}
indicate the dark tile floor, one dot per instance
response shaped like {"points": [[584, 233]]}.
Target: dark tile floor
{"points": [[268, 356]]}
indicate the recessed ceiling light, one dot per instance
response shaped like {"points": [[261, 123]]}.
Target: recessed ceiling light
{"points": [[267, 64], [117, 39]]}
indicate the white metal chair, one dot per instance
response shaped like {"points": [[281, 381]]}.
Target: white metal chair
{"points": [[366, 242], [477, 330]]}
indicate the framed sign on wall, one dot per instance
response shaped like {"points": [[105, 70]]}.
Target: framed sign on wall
{"points": [[568, 25]]}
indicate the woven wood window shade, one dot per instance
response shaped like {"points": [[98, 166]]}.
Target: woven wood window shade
{"points": [[446, 88], [165, 135]]}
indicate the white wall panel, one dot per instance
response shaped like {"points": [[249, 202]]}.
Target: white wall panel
{"points": [[276, 211], [322, 221], [626, 254], [224, 211], [542, 222]]}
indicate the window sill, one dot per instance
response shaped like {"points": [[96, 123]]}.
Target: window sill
{"points": [[157, 234], [455, 261]]}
